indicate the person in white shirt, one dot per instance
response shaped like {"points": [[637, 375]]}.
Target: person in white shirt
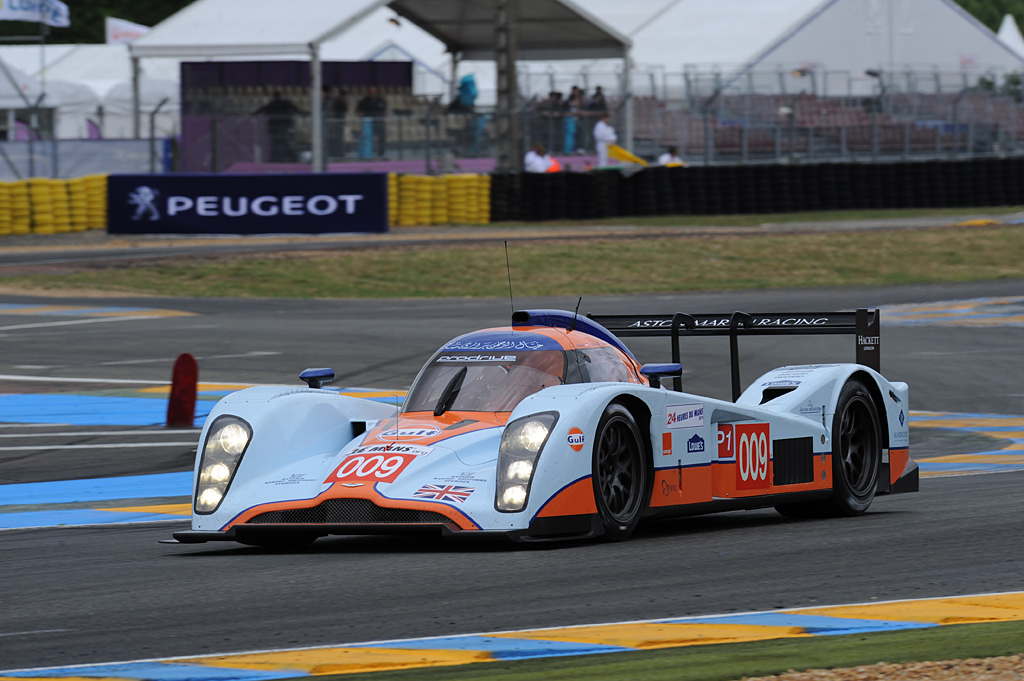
{"points": [[537, 160], [670, 158], [604, 134]]}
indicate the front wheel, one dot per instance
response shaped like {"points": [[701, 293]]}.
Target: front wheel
{"points": [[620, 472]]}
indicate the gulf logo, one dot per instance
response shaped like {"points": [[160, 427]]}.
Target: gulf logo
{"points": [[410, 431], [576, 439]]}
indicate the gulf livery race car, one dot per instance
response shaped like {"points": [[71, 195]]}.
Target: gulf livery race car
{"points": [[551, 429]]}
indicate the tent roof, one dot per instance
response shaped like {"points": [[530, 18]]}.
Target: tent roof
{"points": [[1009, 35], [548, 29], [675, 33]]}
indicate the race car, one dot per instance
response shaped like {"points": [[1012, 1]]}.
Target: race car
{"points": [[550, 429]]}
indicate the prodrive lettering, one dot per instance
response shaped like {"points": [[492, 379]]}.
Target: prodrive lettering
{"points": [[262, 206]]}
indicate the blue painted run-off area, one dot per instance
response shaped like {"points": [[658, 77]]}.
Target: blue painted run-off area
{"points": [[91, 410]]}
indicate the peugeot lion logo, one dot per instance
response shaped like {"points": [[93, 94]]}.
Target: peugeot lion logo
{"points": [[144, 200]]}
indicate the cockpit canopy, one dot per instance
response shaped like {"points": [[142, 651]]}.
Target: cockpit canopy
{"points": [[493, 371]]}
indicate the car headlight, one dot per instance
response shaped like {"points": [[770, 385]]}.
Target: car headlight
{"points": [[225, 444], [521, 444]]}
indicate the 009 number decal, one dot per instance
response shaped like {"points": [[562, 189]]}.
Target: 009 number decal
{"points": [[371, 468], [753, 456]]}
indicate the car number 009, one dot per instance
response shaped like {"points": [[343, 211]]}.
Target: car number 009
{"points": [[753, 456], [375, 468]]}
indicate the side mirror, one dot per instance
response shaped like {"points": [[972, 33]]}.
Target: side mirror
{"points": [[655, 372], [317, 378]]}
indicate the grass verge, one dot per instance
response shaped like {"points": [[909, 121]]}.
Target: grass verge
{"points": [[574, 267], [735, 661]]}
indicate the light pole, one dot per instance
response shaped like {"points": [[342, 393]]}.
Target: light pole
{"points": [[877, 74]]}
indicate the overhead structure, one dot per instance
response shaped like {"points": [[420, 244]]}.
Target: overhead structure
{"points": [[545, 29]]}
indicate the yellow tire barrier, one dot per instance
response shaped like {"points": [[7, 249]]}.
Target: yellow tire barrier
{"points": [[420, 200], [42, 205]]}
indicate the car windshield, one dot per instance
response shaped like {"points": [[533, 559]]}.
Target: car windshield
{"points": [[494, 381]]}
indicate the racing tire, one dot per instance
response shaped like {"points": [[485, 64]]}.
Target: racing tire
{"points": [[620, 473], [856, 457]]}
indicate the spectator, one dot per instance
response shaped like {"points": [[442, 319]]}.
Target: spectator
{"points": [[335, 106], [280, 113], [374, 110], [573, 107], [597, 102], [604, 134], [537, 160], [670, 158]]}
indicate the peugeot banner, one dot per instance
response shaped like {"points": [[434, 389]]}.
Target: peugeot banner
{"points": [[247, 204]]}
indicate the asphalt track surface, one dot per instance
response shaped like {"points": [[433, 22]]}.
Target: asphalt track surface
{"points": [[98, 594]]}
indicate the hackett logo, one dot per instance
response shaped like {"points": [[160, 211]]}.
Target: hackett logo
{"points": [[868, 340]]}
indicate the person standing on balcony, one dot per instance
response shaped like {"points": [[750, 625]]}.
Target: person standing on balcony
{"points": [[374, 109], [335, 103], [604, 134], [280, 113]]}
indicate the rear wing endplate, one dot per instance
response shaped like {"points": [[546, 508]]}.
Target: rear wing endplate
{"points": [[863, 323]]}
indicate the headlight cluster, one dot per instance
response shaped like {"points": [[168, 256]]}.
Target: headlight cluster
{"points": [[521, 444], [225, 444]]}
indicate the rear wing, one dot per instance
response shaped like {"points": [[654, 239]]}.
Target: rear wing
{"points": [[863, 323]]}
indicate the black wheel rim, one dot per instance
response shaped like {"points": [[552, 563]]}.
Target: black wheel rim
{"points": [[620, 470], [858, 442]]}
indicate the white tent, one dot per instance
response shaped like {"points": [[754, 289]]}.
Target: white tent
{"points": [[78, 79], [76, 105], [1009, 35], [547, 29], [837, 40]]}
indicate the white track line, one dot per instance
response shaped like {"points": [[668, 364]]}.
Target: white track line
{"points": [[31, 633], [119, 445], [255, 353], [59, 379], [99, 320]]}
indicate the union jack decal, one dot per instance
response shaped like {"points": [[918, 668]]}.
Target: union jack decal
{"points": [[444, 493]]}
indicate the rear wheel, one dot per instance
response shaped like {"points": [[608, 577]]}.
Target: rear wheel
{"points": [[620, 472], [856, 457], [856, 451]]}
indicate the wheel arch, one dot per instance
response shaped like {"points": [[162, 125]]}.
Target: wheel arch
{"points": [[642, 415], [875, 391]]}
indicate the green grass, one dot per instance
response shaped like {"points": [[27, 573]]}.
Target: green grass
{"points": [[735, 661], [670, 263]]}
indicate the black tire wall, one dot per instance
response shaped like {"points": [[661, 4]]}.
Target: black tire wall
{"points": [[722, 190]]}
